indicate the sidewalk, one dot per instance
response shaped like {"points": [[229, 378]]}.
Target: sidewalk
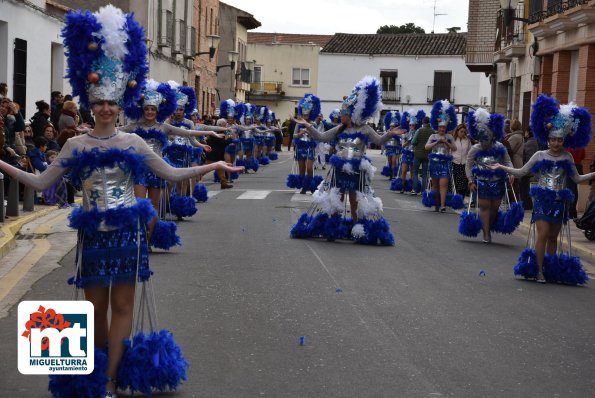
{"points": [[12, 225]]}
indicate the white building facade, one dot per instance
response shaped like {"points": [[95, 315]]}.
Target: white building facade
{"points": [[415, 70], [32, 59]]}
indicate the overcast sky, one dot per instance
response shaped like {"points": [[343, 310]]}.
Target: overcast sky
{"points": [[352, 16]]}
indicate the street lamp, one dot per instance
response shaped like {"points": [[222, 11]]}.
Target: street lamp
{"points": [[249, 65], [508, 9], [213, 44], [232, 57]]}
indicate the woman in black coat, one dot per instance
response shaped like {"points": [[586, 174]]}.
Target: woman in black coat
{"points": [[41, 118]]}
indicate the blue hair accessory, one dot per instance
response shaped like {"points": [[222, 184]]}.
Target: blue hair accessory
{"points": [[309, 106]]}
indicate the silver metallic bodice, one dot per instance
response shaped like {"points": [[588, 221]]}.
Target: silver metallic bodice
{"points": [[441, 148], [247, 133], [155, 145], [181, 140], [553, 178], [394, 141], [483, 163], [108, 188], [350, 148], [269, 134]]}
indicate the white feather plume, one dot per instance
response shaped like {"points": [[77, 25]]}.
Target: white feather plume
{"points": [[367, 167], [358, 231], [348, 168], [151, 85], [566, 109], [445, 105], [482, 117], [173, 84], [113, 23]]}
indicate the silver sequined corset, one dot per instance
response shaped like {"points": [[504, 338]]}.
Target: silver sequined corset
{"points": [[155, 145], [394, 141], [181, 140], [247, 134], [482, 163], [108, 188], [305, 137], [269, 134], [350, 148], [553, 178], [441, 148]]}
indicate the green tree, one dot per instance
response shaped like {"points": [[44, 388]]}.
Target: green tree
{"points": [[407, 28]]}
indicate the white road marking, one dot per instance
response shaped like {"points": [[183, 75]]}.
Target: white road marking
{"points": [[210, 194], [254, 195], [297, 197]]}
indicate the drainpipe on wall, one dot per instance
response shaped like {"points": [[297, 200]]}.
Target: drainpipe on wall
{"points": [[493, 87], [509, 99]]}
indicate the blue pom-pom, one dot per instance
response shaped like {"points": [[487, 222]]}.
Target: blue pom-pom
{"points": [[301, 229], [152, 361], [508, 221], [182, 206], [526, 265], [409, 185], [469, 224], [316, 225], [264, 160], [334, 228], [455, 201], [428, 198], [273, 156], [387, 171], [314, 183], [216, 177], [234, 175], [294, 181], [396, 184], [200, 192], [165, 235], [564, 269], [82, 386], [306, 182]]}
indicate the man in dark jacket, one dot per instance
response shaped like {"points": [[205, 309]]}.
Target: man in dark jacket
{"points": [[420, 155], [37, 155]]}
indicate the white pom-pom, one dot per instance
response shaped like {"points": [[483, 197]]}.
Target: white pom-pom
{"points": [[113, 31], [151, 85], [358, 231]]}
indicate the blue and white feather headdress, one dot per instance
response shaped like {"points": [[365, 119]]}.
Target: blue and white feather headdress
{"points": [[364, 101], [309, 106], [106, 56], [227, 109], [262, 114], [412, 117], [249, 112], [240, 110], [271, 117], [159, 95], [392, 119], [335, 116], [550, 119], [443, 114], [481, 120], [185, 98]]}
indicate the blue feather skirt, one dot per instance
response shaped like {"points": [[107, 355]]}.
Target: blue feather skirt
{"points": [[407, 157], [111, 257], [491, 190], [392, 150], [152, 361], [550, 205], [439, 165]]}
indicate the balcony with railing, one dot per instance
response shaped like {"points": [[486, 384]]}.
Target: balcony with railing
{"points": [[438, 93], [547, 17], [266, 91], [510, 35], [392, 94]]}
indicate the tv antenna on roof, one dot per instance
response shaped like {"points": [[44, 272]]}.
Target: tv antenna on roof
{"points": [[435, 15]]}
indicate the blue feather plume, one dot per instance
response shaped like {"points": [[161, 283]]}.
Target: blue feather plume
{"points": [[182, 206], [391, 116], [295, 181], [334, 228], [314, 183], [191, 104], [317, 225], [508, 221], [118, 217], [582, 131], [165, 235], [428, 198], [544, 110], [397, 184], [454, 201], [315, 105], [301, 229], [273, 156], [435, 116], [264, 160]]}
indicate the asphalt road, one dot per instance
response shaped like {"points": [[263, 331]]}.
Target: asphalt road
{"points": [[435, 315]]}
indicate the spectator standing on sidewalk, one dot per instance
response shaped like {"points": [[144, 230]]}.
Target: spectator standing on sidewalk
{"points": [[514, 143], [56, 102], [41, 118], [420, 155], [459, 161]]}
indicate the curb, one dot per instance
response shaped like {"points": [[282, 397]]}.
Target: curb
{"points": [[11, 229]]}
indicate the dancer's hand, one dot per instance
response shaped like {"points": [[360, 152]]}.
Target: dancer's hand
{"points": [[207, 148], [472, 187], [223, 165], [301, 121], [217, 135], [495, 166], [511, 179], [396, 131]]}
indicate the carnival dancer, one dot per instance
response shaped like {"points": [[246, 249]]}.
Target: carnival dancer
{"points": [[107, 65], [350, 175], [247, 154], [227, 110], [270, 140], [558, 127], [410, 122], [308, 109], [185, 151], [322, 148], [489, 184], [392, 147], [259, 134], [444, 119], [157, 102]]}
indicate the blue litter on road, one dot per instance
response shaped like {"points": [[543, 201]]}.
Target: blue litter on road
{"points": [[482, 273], [338, 290], [302, 340]]}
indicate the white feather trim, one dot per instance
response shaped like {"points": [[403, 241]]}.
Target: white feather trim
{"points": [[151, 85], [367, 167], [368, 206], [482, 117], [362, 96], [566, 109], [445, 105], [113, 23], [348, 168], [358, 231], [173, 84]]}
